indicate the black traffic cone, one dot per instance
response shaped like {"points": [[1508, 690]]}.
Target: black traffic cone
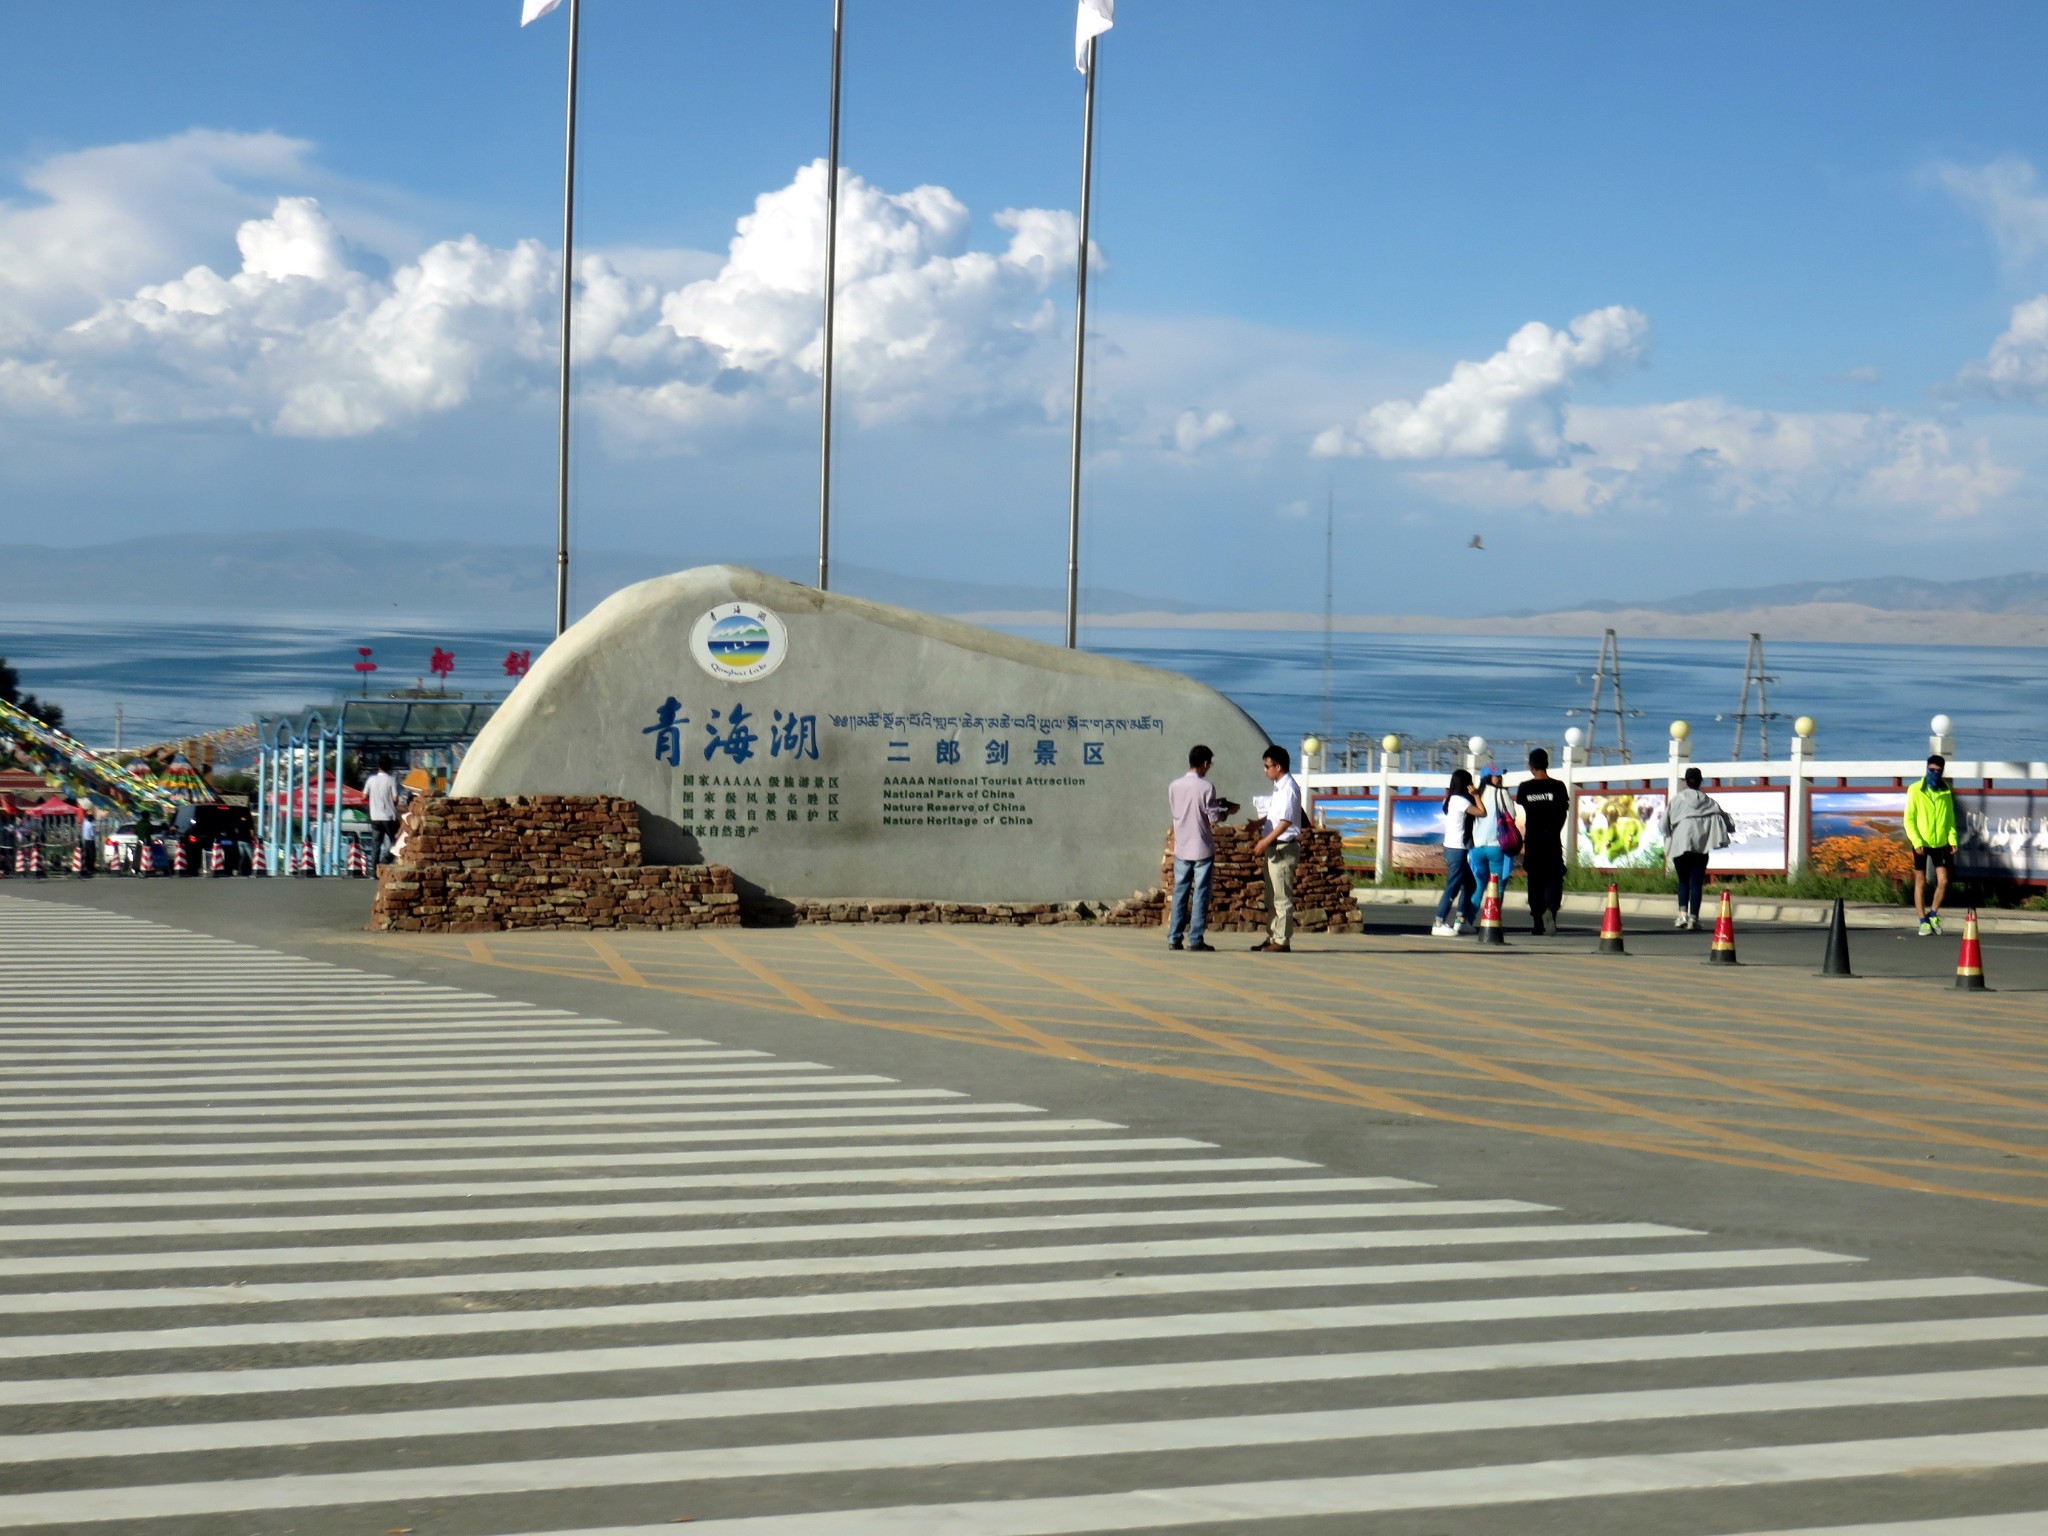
{"points": [[1837, 961]]}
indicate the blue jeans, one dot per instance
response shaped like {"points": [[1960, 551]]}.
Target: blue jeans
{"points": [[1190, 916], [1457, 887], [1490, 862], [1692, 882]]}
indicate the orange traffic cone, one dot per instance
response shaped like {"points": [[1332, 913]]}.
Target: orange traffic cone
{"points": [[217, 860], [35, 860], [1610, 924], [1489, 913], [306, 859], [1970, 963], [259, 858], [358, 861], [178, 856], [78, 859], [1723, 951]]}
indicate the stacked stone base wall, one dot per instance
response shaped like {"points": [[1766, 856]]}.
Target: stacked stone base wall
{"points": [[483, 901], [540, 861], [1323, 902]]}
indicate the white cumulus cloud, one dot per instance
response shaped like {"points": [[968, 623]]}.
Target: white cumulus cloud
{"points": [[1713, 457], [2017, 365], [306, 334], [1195, 430], [1509, 407], [925, 325]]}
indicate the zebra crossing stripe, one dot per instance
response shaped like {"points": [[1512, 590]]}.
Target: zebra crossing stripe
{"points": [[337, 1221], [399, 1094], [423, 1046], [395, 1252], [399, 1169], [648, 1090], [660, 1110], [1248, 1504], [676, 1061], [253, 1293], [973, 1338], [732, 1132], [772, 1178], [312, 1490], [412, 1053], [840, 1397]]}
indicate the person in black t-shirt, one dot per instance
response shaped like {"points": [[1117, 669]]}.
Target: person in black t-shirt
{"points": [[1545, 804]]}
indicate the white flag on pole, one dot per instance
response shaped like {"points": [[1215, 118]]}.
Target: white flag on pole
{"points": [[533, 10], [1094, 18]]}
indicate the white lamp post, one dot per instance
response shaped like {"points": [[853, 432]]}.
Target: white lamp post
{"points": [[1798, 802]]}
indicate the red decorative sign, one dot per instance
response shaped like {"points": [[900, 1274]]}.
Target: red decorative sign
{"points": [[517, 662]]}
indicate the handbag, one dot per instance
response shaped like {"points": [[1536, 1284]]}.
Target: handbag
{"points": [[1505, 831]]}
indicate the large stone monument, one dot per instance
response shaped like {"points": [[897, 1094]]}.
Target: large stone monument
{"points": [[822, 746]]}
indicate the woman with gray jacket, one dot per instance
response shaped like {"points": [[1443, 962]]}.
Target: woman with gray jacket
{"points": [[1694, 825]]}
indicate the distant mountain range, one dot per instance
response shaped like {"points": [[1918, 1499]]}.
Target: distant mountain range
{"points": [[332, 572], [2026, 592]]}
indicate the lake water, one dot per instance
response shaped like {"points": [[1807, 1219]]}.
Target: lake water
{"points": [[177, 674]]}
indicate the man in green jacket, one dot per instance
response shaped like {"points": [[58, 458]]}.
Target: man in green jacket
{"points": [[1931, 829]]}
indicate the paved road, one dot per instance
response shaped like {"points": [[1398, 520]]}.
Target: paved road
{"points": [[300, 1246]]}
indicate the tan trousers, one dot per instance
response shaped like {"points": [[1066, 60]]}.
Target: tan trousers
{"points": [[1280, 862]]}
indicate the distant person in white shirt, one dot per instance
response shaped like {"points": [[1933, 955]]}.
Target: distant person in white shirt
{"points": [[382, 789], [1280, 847]]}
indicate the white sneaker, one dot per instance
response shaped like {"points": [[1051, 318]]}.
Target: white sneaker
{"points": [[1680, 921], [1443, 930]]}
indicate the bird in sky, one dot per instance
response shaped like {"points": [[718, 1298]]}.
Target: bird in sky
{"points": [[1474, 543]]}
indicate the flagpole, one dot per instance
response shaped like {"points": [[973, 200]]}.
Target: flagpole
{"points": [[1080, 356], [831, 295], [568, 293]]}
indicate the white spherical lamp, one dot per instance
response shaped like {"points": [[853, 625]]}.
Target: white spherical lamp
{"points": [[1803, 727], [1680, 730], [1390, 742], [1941, 725], [1311, 745], [1476, 746], [1574, 737]]}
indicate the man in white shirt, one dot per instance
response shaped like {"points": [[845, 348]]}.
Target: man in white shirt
{"points": [[382, 790], [1280, 847], [1194, 805]]}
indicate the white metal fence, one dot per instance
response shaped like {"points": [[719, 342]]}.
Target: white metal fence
{"points": [[1784, 808]]}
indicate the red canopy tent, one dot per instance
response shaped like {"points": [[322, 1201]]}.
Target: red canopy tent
{"points": [[54, 806]]}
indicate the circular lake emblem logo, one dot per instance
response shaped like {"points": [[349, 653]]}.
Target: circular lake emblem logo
{"points": [[738, 642]]}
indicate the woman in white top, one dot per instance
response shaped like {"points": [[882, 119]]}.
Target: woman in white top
{"points": [[1460, 806]]}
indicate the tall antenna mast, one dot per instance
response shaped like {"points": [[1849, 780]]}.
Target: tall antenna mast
{"points": [[1607, 673], [1757, 681], [1329, 611]]}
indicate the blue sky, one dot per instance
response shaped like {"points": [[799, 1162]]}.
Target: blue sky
{"points": [[1778, 260]]}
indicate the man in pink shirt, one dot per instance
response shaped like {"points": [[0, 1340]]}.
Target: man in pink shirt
{"points": [[1195, 806]]}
